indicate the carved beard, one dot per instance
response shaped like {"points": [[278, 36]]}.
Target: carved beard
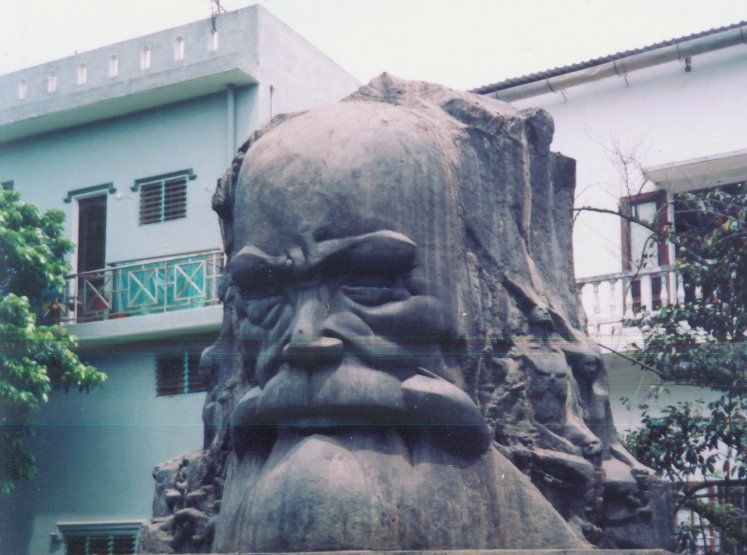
{"points": [[381, 488]]}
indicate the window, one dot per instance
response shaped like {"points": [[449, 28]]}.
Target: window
{"points": [[113, 65], [100, 538], [23, 89], [213, 40], [100, 545], [82, 74], [91, 244], [639, 249], [163, 200], [179, 48], [145, 57], [52, 81], [178, 373]]}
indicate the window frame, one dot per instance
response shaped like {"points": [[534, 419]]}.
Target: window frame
{"points": [[99, 529], [626, 209], [163, 179], [190, 374]]}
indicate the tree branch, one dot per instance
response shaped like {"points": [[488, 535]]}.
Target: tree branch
{"points": [[648, 225]]}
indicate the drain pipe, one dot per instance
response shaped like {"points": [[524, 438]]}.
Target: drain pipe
{"points": [[230, 122], [684, 50]]}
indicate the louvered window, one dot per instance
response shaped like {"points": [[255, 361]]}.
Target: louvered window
{"points": [[100, 544], [178, 373], [162, 201]]}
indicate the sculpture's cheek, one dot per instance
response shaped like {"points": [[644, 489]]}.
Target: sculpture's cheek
{"points": [[262, 345], [420, 318]]}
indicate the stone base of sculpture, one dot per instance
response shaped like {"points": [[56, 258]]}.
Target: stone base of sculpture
{"points": [[372, 489], [483, 552]]}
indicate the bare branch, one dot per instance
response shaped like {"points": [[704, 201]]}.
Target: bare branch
{"points": [[648, 225]]}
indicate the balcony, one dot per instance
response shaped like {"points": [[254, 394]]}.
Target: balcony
{"points": [[149, 298], [144, 286], [610, 299]]}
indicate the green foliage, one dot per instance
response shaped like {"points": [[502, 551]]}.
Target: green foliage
{"points": [[694, 438], [36, 355], [702, 342]]}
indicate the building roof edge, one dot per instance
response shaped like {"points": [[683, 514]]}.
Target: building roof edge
{"points": [[570, 68]]}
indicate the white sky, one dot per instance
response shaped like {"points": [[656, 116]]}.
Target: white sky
{"points": [[460, 43]]}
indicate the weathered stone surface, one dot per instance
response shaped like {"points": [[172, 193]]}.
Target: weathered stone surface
{"points": [[402, 363], [491, 552], [186, 502]]}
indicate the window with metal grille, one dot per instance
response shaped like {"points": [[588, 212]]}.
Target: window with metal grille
{"points": [[164, 200], [178, 373], [100, 544]]}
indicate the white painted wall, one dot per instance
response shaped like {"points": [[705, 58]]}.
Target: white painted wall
{"points": [[659, 115], [662, 115]]}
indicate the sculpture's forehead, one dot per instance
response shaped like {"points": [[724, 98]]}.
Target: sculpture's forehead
{"points": [[352, 168]]}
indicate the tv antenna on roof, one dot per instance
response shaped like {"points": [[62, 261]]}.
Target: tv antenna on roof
{"points": [[215, 10]]}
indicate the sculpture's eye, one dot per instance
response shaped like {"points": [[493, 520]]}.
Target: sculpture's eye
{"points": [[262, 304], [369, 290], [264, 312]]}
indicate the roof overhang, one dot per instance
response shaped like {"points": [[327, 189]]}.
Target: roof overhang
{"points": [[700, 173], [619, 64], [124, 97]]}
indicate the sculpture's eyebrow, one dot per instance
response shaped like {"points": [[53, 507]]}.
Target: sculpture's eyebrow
{"points": [[252, 265], [383, 252]]}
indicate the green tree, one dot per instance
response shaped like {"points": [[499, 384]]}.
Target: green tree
{"points": [[36, 354], [701, 342]]}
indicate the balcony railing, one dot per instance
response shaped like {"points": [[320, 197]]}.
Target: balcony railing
{"points": [[708, 538], [144, 286], [611, 299]]}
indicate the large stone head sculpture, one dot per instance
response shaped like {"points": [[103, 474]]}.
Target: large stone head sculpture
{"points": [[384, 255]]}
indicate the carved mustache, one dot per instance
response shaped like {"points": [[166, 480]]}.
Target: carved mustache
{"points": [[358, 396]]}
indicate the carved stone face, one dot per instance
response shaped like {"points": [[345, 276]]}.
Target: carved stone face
{"points": [[369, 242], [586, 367], [346, 299]]}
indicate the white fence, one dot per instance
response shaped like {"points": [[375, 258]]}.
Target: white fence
{"points": [[611, 299]]}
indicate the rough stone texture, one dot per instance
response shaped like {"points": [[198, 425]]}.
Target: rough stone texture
{"points": [[494, 552], [402, 363], [185, 506]]}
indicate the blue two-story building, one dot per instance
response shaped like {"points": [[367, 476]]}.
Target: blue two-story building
{"points": [[128, 140]]}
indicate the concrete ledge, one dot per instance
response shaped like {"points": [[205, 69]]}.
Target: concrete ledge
{"points": [[125, 96], [150, 326]]}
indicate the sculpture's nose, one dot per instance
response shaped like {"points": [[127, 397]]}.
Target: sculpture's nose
{"points": [[309, 347]]}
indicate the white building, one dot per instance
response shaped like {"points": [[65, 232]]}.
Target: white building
{"points": [[643, 125]]}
